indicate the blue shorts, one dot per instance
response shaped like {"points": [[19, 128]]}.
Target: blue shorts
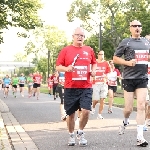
{"points": [[76, 98]]}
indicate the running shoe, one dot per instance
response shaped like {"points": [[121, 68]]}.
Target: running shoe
{"points": [[92, 111], [81, 138], [145, 128], [110, 110], [71, 141], [100, 116], [142, 142]]}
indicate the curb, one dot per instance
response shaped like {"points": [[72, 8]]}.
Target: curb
{"points": [[13, 135]]}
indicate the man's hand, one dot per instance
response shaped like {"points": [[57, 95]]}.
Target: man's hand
{"points": [[132, 62], [69, 68], [93, 73]]}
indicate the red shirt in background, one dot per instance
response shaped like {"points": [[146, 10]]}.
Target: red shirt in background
{"points": [[55, 80], [102, 69], [80, 76], [37, 78]]}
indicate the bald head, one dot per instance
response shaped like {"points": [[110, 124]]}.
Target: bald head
{"points": [[78, 37], [135, 22]]}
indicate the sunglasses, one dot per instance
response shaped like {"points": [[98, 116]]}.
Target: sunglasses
{"points": [[80, 35], [136, 26], [100, 54]]}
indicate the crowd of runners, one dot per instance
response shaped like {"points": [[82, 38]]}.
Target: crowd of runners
{"points": [[89, 80], [33, 82]]}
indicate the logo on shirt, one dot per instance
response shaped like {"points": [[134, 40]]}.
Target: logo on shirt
{"points": [[85, 53]]}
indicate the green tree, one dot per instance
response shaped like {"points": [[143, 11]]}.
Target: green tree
{"points": [[115, 16], [48, 38], [19, 13]]}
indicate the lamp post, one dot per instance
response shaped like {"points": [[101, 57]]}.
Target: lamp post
{"points": [[48, 63], [100, 36]]}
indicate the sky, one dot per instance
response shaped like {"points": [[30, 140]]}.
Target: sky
{"points": [[53, 14]]}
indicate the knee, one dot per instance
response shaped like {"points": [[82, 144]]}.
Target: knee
{"points": [[85, 112], [141, 106]]}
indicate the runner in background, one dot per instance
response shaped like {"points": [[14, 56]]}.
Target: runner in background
{"points": [[50, 84], [22, 81], [100, 87], [15, 81], [37, 79], [6, 83], [55, 78], [112, 84], [60, 89], [30, 84]]}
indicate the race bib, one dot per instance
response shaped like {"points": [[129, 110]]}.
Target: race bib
{"points": [[141, 56], [80, 73], [99, 79], [112, 83]]}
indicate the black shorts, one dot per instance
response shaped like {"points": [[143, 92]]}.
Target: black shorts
{"points": [[14, 86], [113, 88], [21, 85], [75, 98], [36, 85], [130, 85]]}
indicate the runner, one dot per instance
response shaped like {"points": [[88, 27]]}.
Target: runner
{"points": [[37, 79], [30, 84], [100, 88], [136, 55], [60, 89], [6, 82], [112, 84], [22, 81], [50, 84], [55, 78], [75, 61], [15, 81]]}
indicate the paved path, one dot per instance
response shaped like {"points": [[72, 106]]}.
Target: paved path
{"points": [[35, 124]]}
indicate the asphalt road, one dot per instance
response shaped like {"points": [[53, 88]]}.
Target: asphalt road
{"points": [[41, 121]]}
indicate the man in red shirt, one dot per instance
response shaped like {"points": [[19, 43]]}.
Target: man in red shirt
{"points": [[100, 87], [37, 79], [79, 63]]}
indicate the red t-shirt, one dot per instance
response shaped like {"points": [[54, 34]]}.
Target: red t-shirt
{"points": [[55, 80], [101, 71], [37, 78], [80, 76], [50, 81]]}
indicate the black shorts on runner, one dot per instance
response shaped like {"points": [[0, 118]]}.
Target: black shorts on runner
{"points": [[14, 86], [130, 85], [36, 85], [113, 88], [75, 98], [21, 85]]}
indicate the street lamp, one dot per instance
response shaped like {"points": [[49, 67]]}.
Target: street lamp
{"points": [[48, 63], [100, 36]]}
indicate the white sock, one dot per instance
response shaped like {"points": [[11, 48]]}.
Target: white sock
{"points": [[80, 131], [71, 133], [140, 131], [126, 120]]}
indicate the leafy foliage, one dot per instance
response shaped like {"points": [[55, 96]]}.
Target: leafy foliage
{"points": [[19, 13]]}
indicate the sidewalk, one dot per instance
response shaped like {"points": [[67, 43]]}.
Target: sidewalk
{"points": [[17, 138]]}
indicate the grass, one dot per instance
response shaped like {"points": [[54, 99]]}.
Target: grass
{"points": [[120, 101], [44, 90]]}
